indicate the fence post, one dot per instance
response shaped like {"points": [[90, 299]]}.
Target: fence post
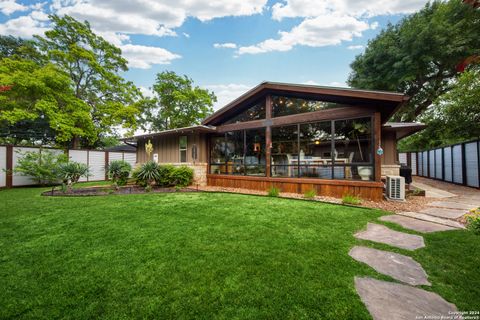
{"points": [[9, 167], [451, 157], [443, 163], [107, 156], [464, 165], [428, 163]]}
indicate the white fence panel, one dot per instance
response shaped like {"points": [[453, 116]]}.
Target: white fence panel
{"points": [[431, 163], [96, 163], [471, 164], [402, 158], [425, 163], [438, 164], [447, 155], [3, 166], [457, 164], [131, 158], [112, 156], [413, 163], [79, 156], [420, 164]]}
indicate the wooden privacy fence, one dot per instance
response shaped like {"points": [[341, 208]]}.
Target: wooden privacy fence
{"points": [[96, 160], [458, 163]]}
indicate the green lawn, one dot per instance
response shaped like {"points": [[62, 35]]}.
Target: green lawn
{"points": [[199, 255]]}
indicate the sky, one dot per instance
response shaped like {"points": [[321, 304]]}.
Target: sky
{"points": [[226, 46]]}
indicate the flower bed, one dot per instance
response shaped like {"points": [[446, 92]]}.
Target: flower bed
{"points": [[107, 190]]}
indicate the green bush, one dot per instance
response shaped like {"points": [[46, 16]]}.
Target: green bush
{"points": [[181, 176], [473, 220], [147, 174], [72, 171], [118, 171], [310, 194], [273, 192], [351, 199], [165, 179], [43, 167]]}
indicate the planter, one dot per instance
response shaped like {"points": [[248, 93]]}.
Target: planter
{"points": [[365, 173]]}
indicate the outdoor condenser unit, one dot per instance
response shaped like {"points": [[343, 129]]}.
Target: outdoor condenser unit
{"points": [[395, 188]]}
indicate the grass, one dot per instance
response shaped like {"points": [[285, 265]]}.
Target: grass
{"points": [[199, 255]]}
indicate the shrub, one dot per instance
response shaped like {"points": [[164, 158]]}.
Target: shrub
{"points": [[310, 194], [147, 174], [118, 171], [273, 192], [43, 167], [181, 176], [165, 179], [72, 171], [351, 199], [473, 220]]}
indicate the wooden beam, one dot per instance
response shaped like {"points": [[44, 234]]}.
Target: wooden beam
{"points": [[377, 140], [268, 136]]}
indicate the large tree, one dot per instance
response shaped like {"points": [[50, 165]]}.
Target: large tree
{"points": [[419, 55], [176, 103], [37, 103], [94, 66]]}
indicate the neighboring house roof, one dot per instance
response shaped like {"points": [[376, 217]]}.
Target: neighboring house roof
{"points": [[191, 129], [122, 148], [388, 101], [404, 129]]}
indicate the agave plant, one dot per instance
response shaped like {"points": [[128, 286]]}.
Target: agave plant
{"points": [[147, 174], [72, 171], [118, 171]]}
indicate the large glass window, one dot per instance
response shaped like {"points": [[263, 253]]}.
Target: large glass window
{"points": [[238, 153], [284, 106], [183, 148], [256, 112], [340, 149]]}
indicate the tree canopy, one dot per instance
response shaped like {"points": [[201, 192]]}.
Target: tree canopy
{"points": [[420, 54], [176, 103]]}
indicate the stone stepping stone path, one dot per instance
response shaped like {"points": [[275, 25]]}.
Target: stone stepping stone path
{"points": [[444, 212], [382, 234], [426, 217], [395, 265], [451, 205], [415, 224], [388, 300]]}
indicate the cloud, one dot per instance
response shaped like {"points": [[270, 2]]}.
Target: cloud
{"points": [[311, 83], [147, 92], [355, 47], [313, 32], [355, 8], [7, 7], [186, 35], [227, 92], [227, 45], [25, 26], [143, 57]]}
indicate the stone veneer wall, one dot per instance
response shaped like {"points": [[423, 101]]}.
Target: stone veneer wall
{"points": [[390, 170], [199, 172]]}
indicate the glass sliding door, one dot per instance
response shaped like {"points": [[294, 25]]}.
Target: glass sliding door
{"points": [[315, 150], [284, 151], [255, 152]]}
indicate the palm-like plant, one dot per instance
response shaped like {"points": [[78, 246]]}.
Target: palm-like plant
{"points": [[147, 174], [118, 171], [72, 171]]}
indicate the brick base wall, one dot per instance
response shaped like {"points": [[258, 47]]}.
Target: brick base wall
{"points": [[199, 172], [390, 170]]}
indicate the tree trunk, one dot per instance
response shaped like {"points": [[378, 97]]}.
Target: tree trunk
{"points": [[75, 143]]}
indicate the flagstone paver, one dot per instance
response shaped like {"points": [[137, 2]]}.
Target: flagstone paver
{"points": [[395, 265], [415, 224], [444, 212], [451, 205], [382, 234], [388, 300], [426, 217]]}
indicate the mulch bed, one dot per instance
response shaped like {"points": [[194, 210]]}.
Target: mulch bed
{"points": [[106, 190]]}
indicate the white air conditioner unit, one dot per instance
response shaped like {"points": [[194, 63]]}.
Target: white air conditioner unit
{"points": [[395, 188]]}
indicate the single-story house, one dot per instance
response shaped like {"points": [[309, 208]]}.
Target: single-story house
{"points": [[295, 137]]}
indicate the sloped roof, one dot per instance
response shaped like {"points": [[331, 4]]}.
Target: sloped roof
{"points": [[404, 129]]}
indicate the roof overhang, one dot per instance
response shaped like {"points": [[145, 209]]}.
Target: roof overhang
{"points": [[386, 102], [403, 129], [185, 130]]}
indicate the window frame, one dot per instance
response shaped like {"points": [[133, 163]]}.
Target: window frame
{"points": [[181, 149]]}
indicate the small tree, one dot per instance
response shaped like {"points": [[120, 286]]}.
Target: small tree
{"points": [[43, 167]]}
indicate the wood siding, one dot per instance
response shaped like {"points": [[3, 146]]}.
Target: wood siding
{"points": [[167, 148], [331, 188], [389, 146]]}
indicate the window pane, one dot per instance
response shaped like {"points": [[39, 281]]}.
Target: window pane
{"points": [[183, 155], [353, 141], [234, 144], [217, 149], [285, 151], [315, 150], [284, 106], [256, 112], [183, 142], [255, 152]]}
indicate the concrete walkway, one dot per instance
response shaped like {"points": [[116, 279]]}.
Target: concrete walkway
{"points": [[390, 300]]}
